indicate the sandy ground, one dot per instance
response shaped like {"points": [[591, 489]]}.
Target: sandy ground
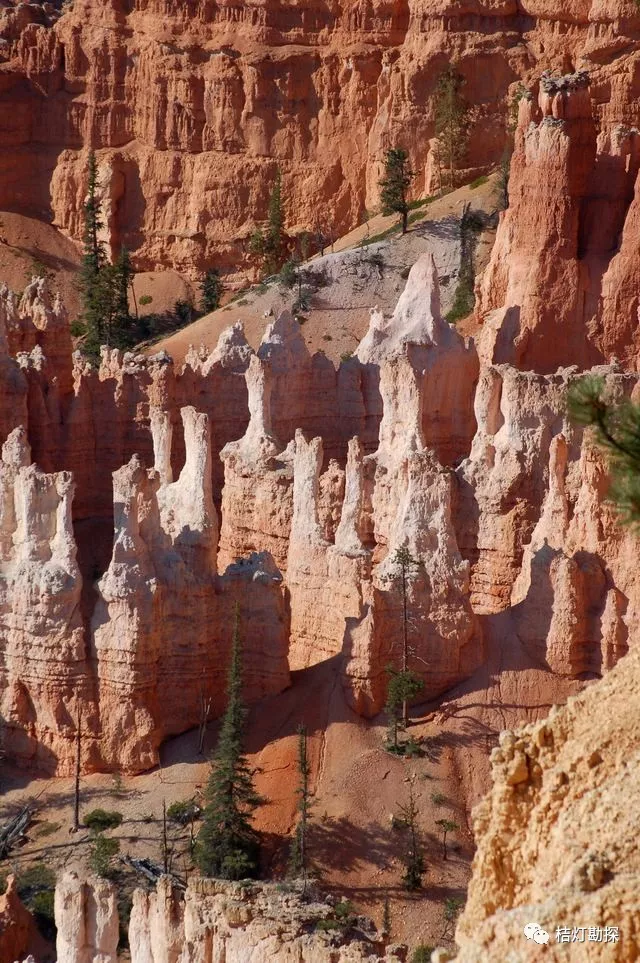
{"points": [[356, 279], [357, 786], [30, 247]]}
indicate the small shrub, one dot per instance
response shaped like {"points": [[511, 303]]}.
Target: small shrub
{"points": [[102, 852], [422, 953], [100, 819], [327, 337], [463, 302], [118, 787], [438, 798], [479, 181], [243, 301], [145, 299], [326, 926], [183, 312], [452, 907], [36, 887], [346, 355], [35, 879], [183, 812], [46, 829], [343, 910]]}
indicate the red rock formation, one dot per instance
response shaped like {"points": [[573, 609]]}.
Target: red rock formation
{"points": [[18, 929], [562, 284]]}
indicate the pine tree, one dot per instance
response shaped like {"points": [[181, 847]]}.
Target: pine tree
{"points": [[447, 826], [451, 120], [120, 279], [395, 184], [211, 291], [95, 293], [267, 242], [299, 856], [402, 687], [404, 566], [617, 430], [228, 845], [413, 858], [104, 287]]}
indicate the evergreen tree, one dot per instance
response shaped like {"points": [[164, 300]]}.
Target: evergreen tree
{"points": [[267, 242], [617, 429], [95, 293], [447, 826], [104, 287], [403, 686], [228, 845], [413, 859], [395, 184], [120, 279], [211, 291], [299, 858], [404, 566], [451, 120]]}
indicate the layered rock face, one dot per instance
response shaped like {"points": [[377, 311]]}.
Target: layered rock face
{"points": [[557, 834], [561, 286], [192, 107], [115, 673], [475, 475], [212, 921]]}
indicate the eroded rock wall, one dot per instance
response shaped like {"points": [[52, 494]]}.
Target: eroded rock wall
{"points": [[557, 833], [212, 921], [192, 107]]}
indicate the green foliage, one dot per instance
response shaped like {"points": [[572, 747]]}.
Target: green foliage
{"points": [[104, 287], [98, 820], [452, 907], [46, 829], [228, 845], [438, 798], [211, 291], [268, 243], [101, 853], [346, 355], [446, 826], [479, 181], [471, 223], [616, 425], [183, 812], [451, 114], [145, 300], [298, 863], [183, 310], [414, 865], [395, 184], [403, 686], [36, 888], [463, 302], [341, 919], [422, 953]]}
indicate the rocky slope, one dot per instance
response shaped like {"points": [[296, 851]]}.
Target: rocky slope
{"points": [[558, 833]]}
